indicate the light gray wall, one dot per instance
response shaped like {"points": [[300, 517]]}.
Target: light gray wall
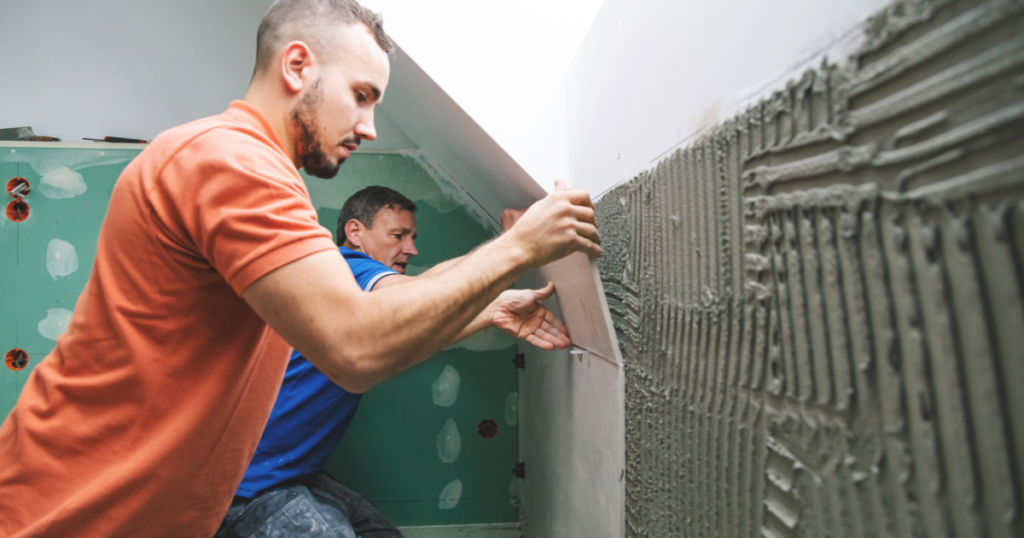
{"points": [[106, 67], [651, 72], [134, 69]]}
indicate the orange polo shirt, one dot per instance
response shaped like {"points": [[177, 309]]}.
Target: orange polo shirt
{"points": [[143, 419]]}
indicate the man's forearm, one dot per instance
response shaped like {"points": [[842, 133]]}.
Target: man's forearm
{"points": [[430, 313], [480, 322], [442, 267], [372, 336]]}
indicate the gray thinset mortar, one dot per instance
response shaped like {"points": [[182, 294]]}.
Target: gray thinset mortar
{"points": [[820, 302]]}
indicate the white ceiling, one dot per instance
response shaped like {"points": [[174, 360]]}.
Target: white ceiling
{"points": [[503, 62]]}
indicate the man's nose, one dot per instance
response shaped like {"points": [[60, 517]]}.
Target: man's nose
{"points": [[410, 248], [364, 127]]}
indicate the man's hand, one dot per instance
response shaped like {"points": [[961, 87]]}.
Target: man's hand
{"points": [[557, 225], [520, 314], [509, 217]]}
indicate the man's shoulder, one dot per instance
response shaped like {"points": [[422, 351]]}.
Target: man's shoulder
{"points": [[366, 270], [218, 139], [361, 259], [357, 257], [216, 126], [350, 254]]}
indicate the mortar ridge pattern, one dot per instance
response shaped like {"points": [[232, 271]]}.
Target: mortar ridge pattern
{"points": [[820, 302]]}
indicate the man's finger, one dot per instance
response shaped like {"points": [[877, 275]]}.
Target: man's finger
{"points": [[548, 346], [578, 197], [558, 340], [583, 213], [556, 323], [560, 185], [553, 334], [589, 247], [550, 335], [588, 231]]}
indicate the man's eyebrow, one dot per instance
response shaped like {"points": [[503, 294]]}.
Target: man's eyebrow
{"points": [[375, 90]]}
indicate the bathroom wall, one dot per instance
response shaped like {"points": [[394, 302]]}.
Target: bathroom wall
{"points": [[45, 258], [819, 298]]}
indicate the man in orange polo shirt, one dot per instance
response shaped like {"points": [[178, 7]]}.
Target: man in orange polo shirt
{"points": [[142, 420]]}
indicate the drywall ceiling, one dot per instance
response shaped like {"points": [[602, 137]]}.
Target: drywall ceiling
{"points": [[502, 62]]}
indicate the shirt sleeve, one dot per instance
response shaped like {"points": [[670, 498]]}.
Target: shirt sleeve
{"points": [[368, 271], [244, 206]]}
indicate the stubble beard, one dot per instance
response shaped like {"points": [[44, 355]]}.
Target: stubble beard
{"points": [[311, 152]]}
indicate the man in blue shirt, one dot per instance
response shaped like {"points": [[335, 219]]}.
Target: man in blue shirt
{"points": [[285, 489]]}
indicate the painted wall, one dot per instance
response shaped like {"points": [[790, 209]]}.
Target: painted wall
{"points": [[111, 68], [650, 74], [90, 69], [821, 299]]}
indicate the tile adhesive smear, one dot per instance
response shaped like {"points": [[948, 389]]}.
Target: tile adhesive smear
{"points": [[62, 182], [61, 258], [446, 388], [449, 442], [820, 300], [512, 409], [55, 323], [450, 495]]}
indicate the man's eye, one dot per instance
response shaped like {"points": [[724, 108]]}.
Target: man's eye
{"points": [[361, 97], [398, 236]]}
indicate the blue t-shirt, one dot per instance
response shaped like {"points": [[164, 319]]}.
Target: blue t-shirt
{"points": [[311, 413]]}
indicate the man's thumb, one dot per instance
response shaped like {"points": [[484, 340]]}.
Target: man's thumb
{"points": [[545, 292]]}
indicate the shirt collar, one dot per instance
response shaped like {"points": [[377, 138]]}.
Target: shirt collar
{"points": [[244, 112]]}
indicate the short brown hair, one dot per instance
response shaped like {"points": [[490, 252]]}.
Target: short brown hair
{"points": [[304, 20]]}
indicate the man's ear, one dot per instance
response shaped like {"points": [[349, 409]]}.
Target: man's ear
{"points": [[296, 64], [354, 232]]}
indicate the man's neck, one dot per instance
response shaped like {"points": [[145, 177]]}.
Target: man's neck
{"points": [[277, 112]]}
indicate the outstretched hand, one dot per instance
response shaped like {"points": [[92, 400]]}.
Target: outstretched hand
{"points": [[520, 314]]}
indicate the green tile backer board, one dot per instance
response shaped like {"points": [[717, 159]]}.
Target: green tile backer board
{"points": [[8, 312], [46, 258], [398, 423], [390, 453]]}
